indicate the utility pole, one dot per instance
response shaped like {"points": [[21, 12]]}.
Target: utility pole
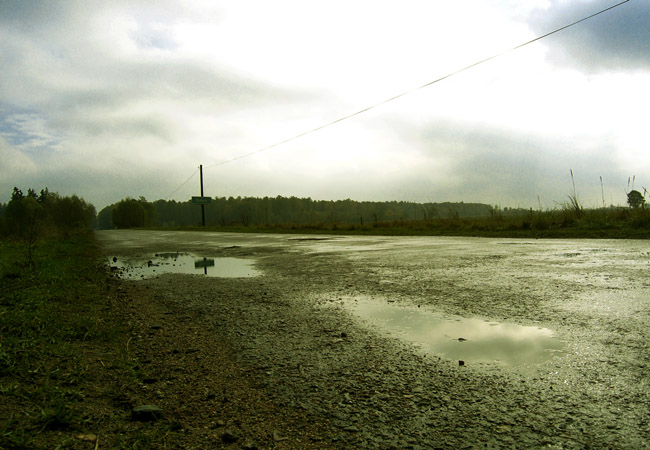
{"points": [[202, 205], [201, 200]]}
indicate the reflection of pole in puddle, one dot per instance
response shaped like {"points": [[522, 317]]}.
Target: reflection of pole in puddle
{"points": [[205, 263]]}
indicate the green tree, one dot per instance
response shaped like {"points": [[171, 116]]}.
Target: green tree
{"points": [[44, 195], [17, 194], [22, 213], [130, 213], [104, 218], [70, 213], [151, 213], [30, 216], [24, 217], [635, 199]]}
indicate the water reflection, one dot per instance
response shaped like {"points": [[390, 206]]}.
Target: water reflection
{"points": [[184, 263], [470, 340], [204, 263]]}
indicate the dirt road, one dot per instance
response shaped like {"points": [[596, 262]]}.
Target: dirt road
{"points": [[325, 328]]}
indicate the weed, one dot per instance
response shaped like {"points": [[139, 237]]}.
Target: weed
{"points": [[56, 416]]}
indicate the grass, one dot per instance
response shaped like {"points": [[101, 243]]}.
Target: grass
{"points": [[35, 352], [66, 366], [54, 319], [570, 220]]}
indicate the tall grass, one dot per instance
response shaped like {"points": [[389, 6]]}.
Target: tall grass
{"points": [[569, 220]]}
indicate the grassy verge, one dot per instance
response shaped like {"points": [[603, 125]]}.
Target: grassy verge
{"points": [[567, 222], [46, 312], [80, 349], [62, 353]]}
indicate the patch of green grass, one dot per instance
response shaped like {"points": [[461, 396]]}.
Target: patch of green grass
{"points": [[14, 437], [56, 416], [65, 364], [48, 312]]}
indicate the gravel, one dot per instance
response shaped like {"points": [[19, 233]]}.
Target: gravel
{"points": [[333, 381]]}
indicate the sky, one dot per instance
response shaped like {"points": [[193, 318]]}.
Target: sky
{"points": [[127, 98]]}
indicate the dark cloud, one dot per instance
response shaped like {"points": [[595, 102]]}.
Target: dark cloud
{"points": [[33, 14], [618, 39]]}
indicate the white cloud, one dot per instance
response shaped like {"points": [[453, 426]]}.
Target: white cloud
{"points": [[14, 162], [111, 99]]}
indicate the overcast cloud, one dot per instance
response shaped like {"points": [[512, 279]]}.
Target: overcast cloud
{"points": [[127, 98], [618, 40]]}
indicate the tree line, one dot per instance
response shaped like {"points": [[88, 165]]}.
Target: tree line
{"points": [[45, 211], [31, 216], [245, 211]]}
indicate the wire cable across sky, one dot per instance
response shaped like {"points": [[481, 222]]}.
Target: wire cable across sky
{"points": [[405, 93], [182, 184]]}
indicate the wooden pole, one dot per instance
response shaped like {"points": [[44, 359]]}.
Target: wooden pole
{"points": [[202, 205]]}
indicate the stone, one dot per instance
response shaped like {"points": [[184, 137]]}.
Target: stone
{"points": [[146, 413], [229, 437], [218, 423], [250, 445], [87, 437], [277, 437]]}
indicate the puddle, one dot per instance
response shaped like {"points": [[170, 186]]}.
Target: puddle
{"points": [[186, 263], [469, 340]]}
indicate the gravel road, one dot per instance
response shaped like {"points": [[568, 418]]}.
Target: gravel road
{"points": [[298, 331]]}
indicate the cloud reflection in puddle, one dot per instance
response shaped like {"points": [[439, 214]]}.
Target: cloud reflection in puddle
{"points": [[470, 340]]}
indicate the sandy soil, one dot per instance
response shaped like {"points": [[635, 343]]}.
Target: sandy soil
{"points": [[280, 361]]}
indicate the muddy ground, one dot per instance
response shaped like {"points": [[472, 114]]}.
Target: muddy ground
{"points": [[320, 377]]}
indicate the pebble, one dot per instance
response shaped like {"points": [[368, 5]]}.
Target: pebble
{"points": [[309, 363], [277, 437], [146, 413], [229, 437]]}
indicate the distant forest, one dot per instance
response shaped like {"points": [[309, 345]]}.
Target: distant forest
{"points": [[245, 211]]}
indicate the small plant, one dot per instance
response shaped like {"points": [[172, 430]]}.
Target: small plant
{"points": [[574, 205], [55, 417]]}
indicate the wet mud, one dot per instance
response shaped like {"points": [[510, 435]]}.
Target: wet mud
{"points": [[313, 330]]}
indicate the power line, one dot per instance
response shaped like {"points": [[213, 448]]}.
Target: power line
{"points": [[383, 102], [182, 184], [456, 72], [416, 88]]}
